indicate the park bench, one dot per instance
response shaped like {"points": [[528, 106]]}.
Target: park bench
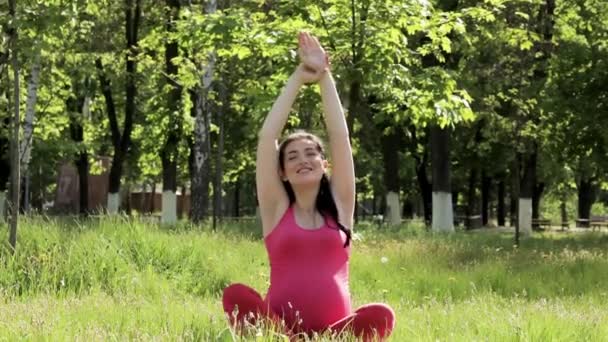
{"points": [[541, 224], [598, 222], [593, 223], [469, 222]]}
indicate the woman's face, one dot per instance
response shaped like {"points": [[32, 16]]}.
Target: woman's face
{"points": [[303, 163]]}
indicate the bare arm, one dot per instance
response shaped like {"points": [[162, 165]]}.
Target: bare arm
{"points": [[342, 181], [271, 194], [343, 170], [272, 197]]}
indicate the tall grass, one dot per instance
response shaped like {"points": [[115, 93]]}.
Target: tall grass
{"points": [[117, 278]]}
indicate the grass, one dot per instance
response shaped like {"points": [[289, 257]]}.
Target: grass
{"points": [[116, 278]]}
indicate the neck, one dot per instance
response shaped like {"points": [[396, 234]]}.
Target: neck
{"points": [[306, 199]]}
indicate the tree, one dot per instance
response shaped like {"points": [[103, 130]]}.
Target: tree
{"points": [[15, 177], [121, 141], [201, 147], [576, 102], [170, 150]]}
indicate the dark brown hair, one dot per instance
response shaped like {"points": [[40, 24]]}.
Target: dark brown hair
{"points": [[325, 202]]}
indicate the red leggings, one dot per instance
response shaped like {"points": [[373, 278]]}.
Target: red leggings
{"points": [[372, 321]]}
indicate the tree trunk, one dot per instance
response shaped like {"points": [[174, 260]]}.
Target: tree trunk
{"points": [[542, 51], [528, 162], [352, 105], [471, 196], [443, 217], [237, 195], [486, 184], [152, 199], [182, 202], [201, 148], [5, 165], [116, 166], [390, 154], [374, 204], [82, 164], [200, 156], [2, 205], [426, 190], [217, 188], [515, 193], [357, 40], [81, 159], [170, 152], [12, 238], [425, 187], [121, 142], [474, 219], [586, 197], [513, 197], [354, 100], [536, 197], [28, 130], [564, 212], [408, 208], [500, 209]]}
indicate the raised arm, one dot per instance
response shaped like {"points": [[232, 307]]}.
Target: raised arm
{"points": [[343, 171], [270, 190], [272, 197], [342, 179]]}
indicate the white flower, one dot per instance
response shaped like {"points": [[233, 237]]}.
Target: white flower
{"points": [[384, 260]]}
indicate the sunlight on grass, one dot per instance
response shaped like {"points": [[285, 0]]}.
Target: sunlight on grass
{"points": [[118, 278]]}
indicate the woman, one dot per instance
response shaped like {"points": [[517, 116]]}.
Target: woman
{"points": [[306, 218]]}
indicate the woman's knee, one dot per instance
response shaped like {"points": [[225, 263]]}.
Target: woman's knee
{"points": [[241, 297], [238, 290], [377, 315]]}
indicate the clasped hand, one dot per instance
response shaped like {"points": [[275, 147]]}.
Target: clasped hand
{"points": [[314, 61]]}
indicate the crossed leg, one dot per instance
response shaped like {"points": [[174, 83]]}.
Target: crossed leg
{"points": [[371, 322], [243, 305]]}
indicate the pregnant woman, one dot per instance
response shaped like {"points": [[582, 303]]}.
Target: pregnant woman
{"points": [[307, 217]]}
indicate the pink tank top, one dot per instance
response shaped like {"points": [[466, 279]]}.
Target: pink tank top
{"points": [[308, 273]]}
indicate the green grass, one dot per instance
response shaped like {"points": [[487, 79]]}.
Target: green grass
{"points": [[116, 279]]}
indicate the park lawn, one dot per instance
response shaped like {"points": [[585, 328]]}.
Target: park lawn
{"points": [[119, 278]]}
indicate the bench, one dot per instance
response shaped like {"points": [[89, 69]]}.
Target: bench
{"points": [[598, 225], [593, 223], [598, 222], [541, 224], [469, 222]]}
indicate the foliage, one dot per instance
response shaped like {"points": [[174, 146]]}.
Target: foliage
{"points": [[483, 68]]}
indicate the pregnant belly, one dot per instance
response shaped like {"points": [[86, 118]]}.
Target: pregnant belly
{"points": [[310, 305]]}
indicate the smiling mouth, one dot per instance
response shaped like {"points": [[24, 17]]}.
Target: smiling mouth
{"points": [[304, 169]]}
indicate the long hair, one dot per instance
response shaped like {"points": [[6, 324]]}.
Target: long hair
{"points": [[325, 203]]}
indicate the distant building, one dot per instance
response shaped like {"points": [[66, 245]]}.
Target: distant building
{"points": [[67, 194]]}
